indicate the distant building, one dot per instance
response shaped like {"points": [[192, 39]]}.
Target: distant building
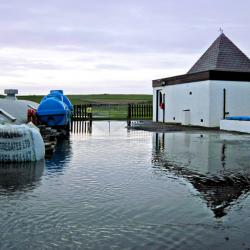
{"points": [[216, 86]]}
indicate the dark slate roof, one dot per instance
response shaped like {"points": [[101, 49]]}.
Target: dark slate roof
{"points": [[222, 55], [203, 76]]}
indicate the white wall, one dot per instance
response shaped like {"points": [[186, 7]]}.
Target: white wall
{"points": [[154, 103], [238, 126], [178, 98], [205, 102], [237, 100]]}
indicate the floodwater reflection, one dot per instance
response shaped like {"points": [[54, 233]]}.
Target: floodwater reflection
{"points": [[216, 164], [78, 127], [60, 158], [23, 176]]}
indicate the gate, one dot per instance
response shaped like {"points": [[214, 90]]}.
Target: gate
{"points": [[82, 112], [94, 112]]}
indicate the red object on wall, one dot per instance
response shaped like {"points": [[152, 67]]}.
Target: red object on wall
{"points": [[31, 116], [162, 105]]}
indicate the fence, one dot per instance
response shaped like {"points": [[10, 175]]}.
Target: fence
{"points": [[139, 111], [82, 112], [88, 112]]}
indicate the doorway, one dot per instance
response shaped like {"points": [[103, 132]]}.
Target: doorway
{"points": [[160, 106]]}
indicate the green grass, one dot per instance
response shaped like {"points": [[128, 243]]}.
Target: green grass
{"points": [[117, 112], [98, 99], [113, 112], [34, 98]]}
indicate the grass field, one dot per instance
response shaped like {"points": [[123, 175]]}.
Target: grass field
{"points": [[98, 99], [114, 112]]}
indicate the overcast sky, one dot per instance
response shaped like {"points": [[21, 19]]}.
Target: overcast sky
{"points": [[110, 46]]}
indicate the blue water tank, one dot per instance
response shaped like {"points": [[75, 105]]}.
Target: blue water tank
{"points": [[55, 109], [238, 118]]}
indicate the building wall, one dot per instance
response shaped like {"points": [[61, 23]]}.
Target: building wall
{"points": [[190, 96], [237, 100], [154, 103], [204, 99], [237, 126]]}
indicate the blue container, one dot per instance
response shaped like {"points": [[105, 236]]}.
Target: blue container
{"points": [[55, 109], [58, 94], [238, 118]]}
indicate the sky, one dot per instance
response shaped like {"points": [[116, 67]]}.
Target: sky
{"points": [[110, 46]]}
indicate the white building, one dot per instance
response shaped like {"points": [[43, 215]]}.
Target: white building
{"points": [[216, 86]]}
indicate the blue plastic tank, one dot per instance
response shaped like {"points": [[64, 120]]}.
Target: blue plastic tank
{"points": [[55, 109], [238, 118]]}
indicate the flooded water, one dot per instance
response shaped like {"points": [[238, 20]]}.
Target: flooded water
{"points": [[113, 188]]}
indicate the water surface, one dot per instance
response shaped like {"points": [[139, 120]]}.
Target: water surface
{"points": [[113, 188]]}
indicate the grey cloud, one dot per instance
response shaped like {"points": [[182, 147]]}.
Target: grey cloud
{"points": [[93, 31], [127, 26], [13, 65]]}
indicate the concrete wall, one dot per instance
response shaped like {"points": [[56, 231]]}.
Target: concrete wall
{"points": [[189, 96], [237, 100], [239, 126], [154, 104], [205, 101]]}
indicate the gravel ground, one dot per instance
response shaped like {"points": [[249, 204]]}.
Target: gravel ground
{"points": [[164, 127]]}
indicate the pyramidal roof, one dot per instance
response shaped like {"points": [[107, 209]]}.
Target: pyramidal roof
{"points": [[222, 55]]}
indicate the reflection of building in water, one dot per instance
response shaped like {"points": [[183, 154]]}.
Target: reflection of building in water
{"points": [[62, 155], [215, 164], [20, 176]]}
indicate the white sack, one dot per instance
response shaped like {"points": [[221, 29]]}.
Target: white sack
{"points": [[19, 143]]}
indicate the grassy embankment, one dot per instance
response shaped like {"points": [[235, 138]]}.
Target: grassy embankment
{"points": [[116, 112], [98, 99]]}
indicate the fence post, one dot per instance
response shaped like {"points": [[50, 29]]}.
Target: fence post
{"points": [[90, 114], [129, 115]]}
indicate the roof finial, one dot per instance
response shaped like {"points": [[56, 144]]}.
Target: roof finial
{"points": [[221, 30]]}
